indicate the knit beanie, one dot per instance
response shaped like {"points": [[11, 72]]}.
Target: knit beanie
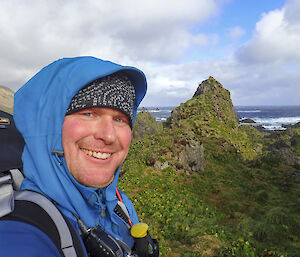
{"points": [[112, 91]]}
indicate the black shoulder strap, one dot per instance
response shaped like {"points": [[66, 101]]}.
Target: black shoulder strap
{"points": [[32, 213], [11, 143]]}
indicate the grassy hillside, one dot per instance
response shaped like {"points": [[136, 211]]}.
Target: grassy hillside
{"points": [[6, 99], [244, 203]]}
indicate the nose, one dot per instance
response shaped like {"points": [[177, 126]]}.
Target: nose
{"points": [[104, 130]]}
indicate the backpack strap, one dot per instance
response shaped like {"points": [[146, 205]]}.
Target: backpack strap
{"points": [[17, 178], [35, 209], [9, 181], [66, 242], [6, 193]]}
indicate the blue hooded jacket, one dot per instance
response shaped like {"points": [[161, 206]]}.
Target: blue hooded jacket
{"points": [[39, 111]]}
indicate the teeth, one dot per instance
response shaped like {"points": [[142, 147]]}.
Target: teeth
{"points": [[97, 155]]}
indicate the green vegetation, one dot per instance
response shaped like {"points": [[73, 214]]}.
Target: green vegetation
{"points": [[245, 202], [233, 208]]}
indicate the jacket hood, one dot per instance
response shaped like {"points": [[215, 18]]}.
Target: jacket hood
{"points": [[39, 111]]}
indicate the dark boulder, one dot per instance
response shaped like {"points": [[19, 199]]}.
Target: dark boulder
{"points": [[246, 120]]}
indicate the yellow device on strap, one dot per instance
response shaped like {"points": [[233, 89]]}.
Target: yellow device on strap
{"points": [[139, 230]]}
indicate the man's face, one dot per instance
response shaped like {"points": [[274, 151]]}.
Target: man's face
{"points": [[95, 142]]}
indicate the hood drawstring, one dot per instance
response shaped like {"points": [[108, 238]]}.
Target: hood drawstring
{"points": [[59, 154]]}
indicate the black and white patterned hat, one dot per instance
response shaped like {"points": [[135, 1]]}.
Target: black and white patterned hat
{"points": [[113, 91]]}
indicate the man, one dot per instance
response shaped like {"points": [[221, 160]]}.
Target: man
{"points": [[76, 116]]}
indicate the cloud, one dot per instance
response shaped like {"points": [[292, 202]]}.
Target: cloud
{"points": [[263, 71], [34, 33], [276, 38], [163, 38], [156, 31], [266, 67], [235, 33]]}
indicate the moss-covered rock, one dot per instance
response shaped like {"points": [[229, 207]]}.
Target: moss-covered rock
{"points": [[210, 101], [192, 157], [210, 113], [145, 124]]}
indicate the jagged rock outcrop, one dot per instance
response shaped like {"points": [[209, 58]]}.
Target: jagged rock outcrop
{"points": [[192, 157], [145, 124], [210, 101], [209, 86], [210, 113]]}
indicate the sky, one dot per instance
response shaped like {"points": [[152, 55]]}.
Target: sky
{"points": [[250, 46]]}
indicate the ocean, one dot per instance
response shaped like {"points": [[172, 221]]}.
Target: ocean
{"points": [[270, 117]]}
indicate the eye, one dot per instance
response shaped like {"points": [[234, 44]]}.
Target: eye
{"points": [[119, 120], [88, 114]]}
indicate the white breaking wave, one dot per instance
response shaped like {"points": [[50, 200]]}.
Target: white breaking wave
{"points": [[161, 119], [272, 127], [154, 111], [276, 123], [249, 111], [280, 120]]}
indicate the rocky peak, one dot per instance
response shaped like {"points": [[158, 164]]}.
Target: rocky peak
{"points": [[210, 113], [208, 86], [211, 103]]}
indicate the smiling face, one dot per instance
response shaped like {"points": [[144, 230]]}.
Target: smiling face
{"points": [[95, 142]]}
